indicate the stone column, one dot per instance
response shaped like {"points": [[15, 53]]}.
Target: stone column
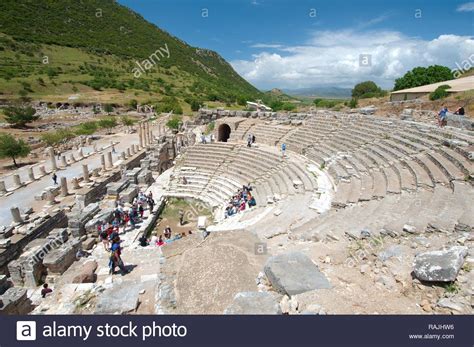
{"points": [[31, 174], [94, 148], [3, 189], [123, 156], [102, 162], [71, 158], [52, 158], [15, 211], [80, 153], [110, 162], [17, 180], [75, 183], [140, 134], [85, 173], [42, 170], [63, 161], [133, 149], [128, 152], [64, 191], [147, 127]]}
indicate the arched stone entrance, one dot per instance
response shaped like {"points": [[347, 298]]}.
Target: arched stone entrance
{"points": [[223, 133]]}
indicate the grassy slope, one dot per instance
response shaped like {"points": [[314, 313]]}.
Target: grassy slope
{"points": [[71, 34]]}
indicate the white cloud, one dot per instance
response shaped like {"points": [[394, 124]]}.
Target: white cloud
{"points": [[266, 45], [467, 7], [332, 58]]}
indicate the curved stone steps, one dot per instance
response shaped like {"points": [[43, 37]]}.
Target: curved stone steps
{"points": [[380, 184], [423, 179], [393, 181], [436, 174], [463, 163], [407, 177], [447, 166]]}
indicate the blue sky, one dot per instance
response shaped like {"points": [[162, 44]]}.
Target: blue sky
{"points": [[303, 43]]}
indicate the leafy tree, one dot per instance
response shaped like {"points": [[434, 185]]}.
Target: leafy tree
{"points": [[366, 89], [173, 122], [13, 148], [440, 92], [19, 116], [421, 76], [108, 123]]}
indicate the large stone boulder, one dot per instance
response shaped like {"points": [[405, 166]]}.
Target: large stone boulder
{"points": [[294, 273], [87, 273], [254, 303], [439, 266], [119, 299]]}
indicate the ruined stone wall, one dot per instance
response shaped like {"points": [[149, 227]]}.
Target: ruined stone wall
{"points": [[18, 241]]}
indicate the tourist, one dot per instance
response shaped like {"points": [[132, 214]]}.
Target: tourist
{"points": [[160, 241], [252, 202], [203, 138], [442, 117], [104, 238], [141, 210], [143, 241], [283, 149], [185, 181], [253, 139], [181, 217], [55, 178], [167, 232], [82, 254], [46, 290], [183, 234], [460, 111], [249, 141], [116, 257], [151, 203]]}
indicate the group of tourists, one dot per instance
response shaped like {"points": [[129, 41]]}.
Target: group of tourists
{"points": [[443, 115], [123, 216], [164, 239], [241, 201]]}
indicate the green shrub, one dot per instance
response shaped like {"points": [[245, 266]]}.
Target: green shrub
{"points": [[353, 103], [173, 122], [440, 92], [107, 123], [54, 138], [86, 128]]}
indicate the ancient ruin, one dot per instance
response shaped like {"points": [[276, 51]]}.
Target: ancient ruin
{"points": [[373, 212]]}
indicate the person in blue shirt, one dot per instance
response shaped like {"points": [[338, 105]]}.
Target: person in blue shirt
{"points": [[442, 117], [283, 149]]}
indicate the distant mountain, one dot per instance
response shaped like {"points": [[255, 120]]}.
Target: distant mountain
{"points": [[103, 45], [324, 92]]}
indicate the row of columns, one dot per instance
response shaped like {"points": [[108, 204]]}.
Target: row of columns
{"points": [[145, 135]]}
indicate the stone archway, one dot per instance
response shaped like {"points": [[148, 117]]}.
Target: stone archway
{"points": [[223, 132]]}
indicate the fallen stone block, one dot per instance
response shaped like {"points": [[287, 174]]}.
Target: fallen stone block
{"points": [[439, 266], [87, 273], [294, 273]]}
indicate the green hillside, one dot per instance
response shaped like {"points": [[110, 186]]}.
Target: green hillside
{"points": [[55, 48]]}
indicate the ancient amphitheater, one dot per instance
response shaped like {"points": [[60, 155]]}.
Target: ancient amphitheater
{"points": [[361, 215]]}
